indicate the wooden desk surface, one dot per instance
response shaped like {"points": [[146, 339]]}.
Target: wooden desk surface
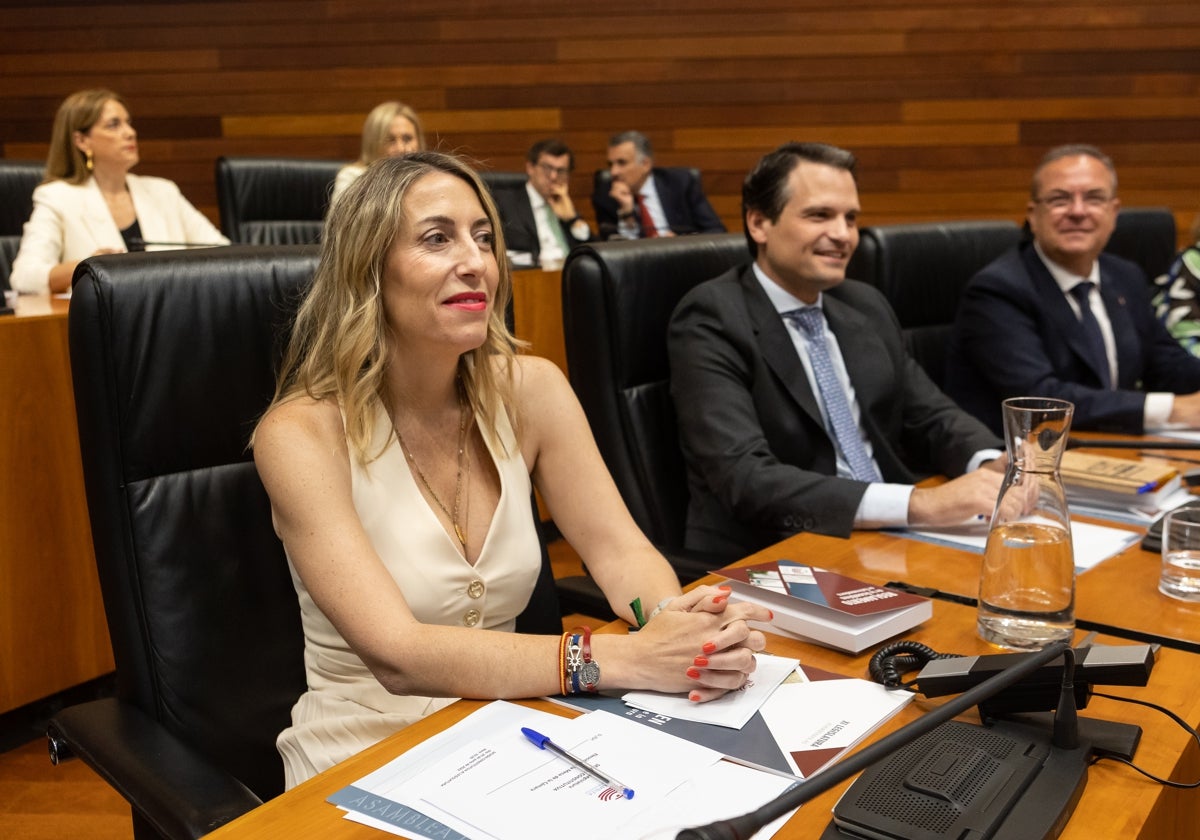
{"points": [[1117, 802], [52, 629], [1120, 592]]}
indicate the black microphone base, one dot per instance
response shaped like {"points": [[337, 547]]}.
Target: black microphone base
{"points": [[1107, 737], [963, 780]]}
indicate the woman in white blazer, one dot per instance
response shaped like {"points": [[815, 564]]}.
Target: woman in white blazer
{"points": [[390, 130], [89, 203]]}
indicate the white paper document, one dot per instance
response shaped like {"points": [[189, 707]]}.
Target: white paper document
{"points": [[1091, 543], [732, 710], [482, 779], [816, 721]]}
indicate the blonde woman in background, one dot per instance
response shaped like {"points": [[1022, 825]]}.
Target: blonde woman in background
{"points": [[390, 130], [90, 204]]}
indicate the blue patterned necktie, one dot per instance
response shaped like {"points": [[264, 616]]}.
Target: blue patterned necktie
{"points": [[811, 321], [1091, 331]]}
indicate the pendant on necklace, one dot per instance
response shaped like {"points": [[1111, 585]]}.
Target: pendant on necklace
{"points": [[458, 532]]}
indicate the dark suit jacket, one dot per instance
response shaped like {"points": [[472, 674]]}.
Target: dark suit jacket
{"points": [[1016, 335], [760, 464], [683, 200], [520, 230]]}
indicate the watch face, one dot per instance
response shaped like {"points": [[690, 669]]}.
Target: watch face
{"points": [[589, 675]]}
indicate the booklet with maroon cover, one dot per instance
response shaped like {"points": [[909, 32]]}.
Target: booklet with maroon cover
{"points": [[826, 607]]}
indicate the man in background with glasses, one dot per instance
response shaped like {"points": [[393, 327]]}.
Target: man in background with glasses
{"points": [[542, 220], [1057, 317]]}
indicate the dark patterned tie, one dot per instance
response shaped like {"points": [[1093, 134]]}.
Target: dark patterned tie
{"points": [[1091, 331], [811, 321]]}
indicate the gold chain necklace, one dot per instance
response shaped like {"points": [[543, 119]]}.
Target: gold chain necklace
{"points": [[463, 457]]}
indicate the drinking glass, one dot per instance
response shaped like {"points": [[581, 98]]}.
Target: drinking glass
{"points": [[1180, 577]]}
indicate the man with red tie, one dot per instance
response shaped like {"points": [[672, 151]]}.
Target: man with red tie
{"points": [[643, 201]]}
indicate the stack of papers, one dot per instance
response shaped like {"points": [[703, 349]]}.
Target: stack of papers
{"points": [[482, 779]]}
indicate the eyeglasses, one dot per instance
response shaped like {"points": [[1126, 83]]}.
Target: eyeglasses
{"points": [[554, 171], [1058, 202]]}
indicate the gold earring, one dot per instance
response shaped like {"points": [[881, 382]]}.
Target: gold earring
{"points": [[88, 162]]}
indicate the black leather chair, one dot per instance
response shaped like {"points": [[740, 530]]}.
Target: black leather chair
{"points": [[274, 201], [173, 359], [17, 181], [922, 269], [617, 301], [1145, 235], [503, 181], [508, 191]]}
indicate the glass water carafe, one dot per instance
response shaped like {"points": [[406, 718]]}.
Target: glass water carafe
{"points": [[1027, 584]]}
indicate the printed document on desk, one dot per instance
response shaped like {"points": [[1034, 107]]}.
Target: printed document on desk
{"points": [[482, 779], [819, 716], [1091, 543], [733, 710]]}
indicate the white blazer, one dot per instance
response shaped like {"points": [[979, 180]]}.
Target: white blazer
{"points": [[70, 222]]}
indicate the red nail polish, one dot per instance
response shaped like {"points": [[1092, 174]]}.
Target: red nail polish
{"points": [[693, 673], [700, 661], [772, 616], [726, 588], [694, 696], [709, 647], [720, 599]]}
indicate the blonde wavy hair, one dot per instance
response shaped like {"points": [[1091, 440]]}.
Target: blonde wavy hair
{"points": [[377, 127], [78, 112], [340, 345]]}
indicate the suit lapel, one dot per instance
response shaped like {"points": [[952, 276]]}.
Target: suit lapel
{"points": [[96, 218], [667, 198], [151, 218], [1125, 333], [775, 345]]}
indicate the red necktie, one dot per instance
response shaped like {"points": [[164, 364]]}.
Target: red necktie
{"points": [[649, 231]]}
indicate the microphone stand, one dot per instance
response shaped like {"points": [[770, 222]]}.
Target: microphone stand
{"points": [[744, 827]]}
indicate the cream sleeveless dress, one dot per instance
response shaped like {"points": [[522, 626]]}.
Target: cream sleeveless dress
{"points": [[345, 708]]}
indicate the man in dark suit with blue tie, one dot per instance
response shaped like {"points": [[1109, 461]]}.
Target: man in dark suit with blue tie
{"points": [[645, 201], [798, 407], [1057, 317]]}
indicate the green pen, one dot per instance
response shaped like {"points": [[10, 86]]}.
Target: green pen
{"points": [[636, 606]]}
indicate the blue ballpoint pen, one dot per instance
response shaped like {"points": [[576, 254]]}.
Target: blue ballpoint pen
{"points": [[543, 742]]}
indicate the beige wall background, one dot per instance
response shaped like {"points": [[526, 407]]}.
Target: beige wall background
{"points": [[947, 104]]}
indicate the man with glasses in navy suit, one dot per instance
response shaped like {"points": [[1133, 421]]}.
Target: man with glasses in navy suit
{"points": [[1056, 317]]}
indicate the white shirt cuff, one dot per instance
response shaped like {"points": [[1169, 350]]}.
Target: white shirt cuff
{"points": [[1158, 409], [982, 455], [883, 506]]}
